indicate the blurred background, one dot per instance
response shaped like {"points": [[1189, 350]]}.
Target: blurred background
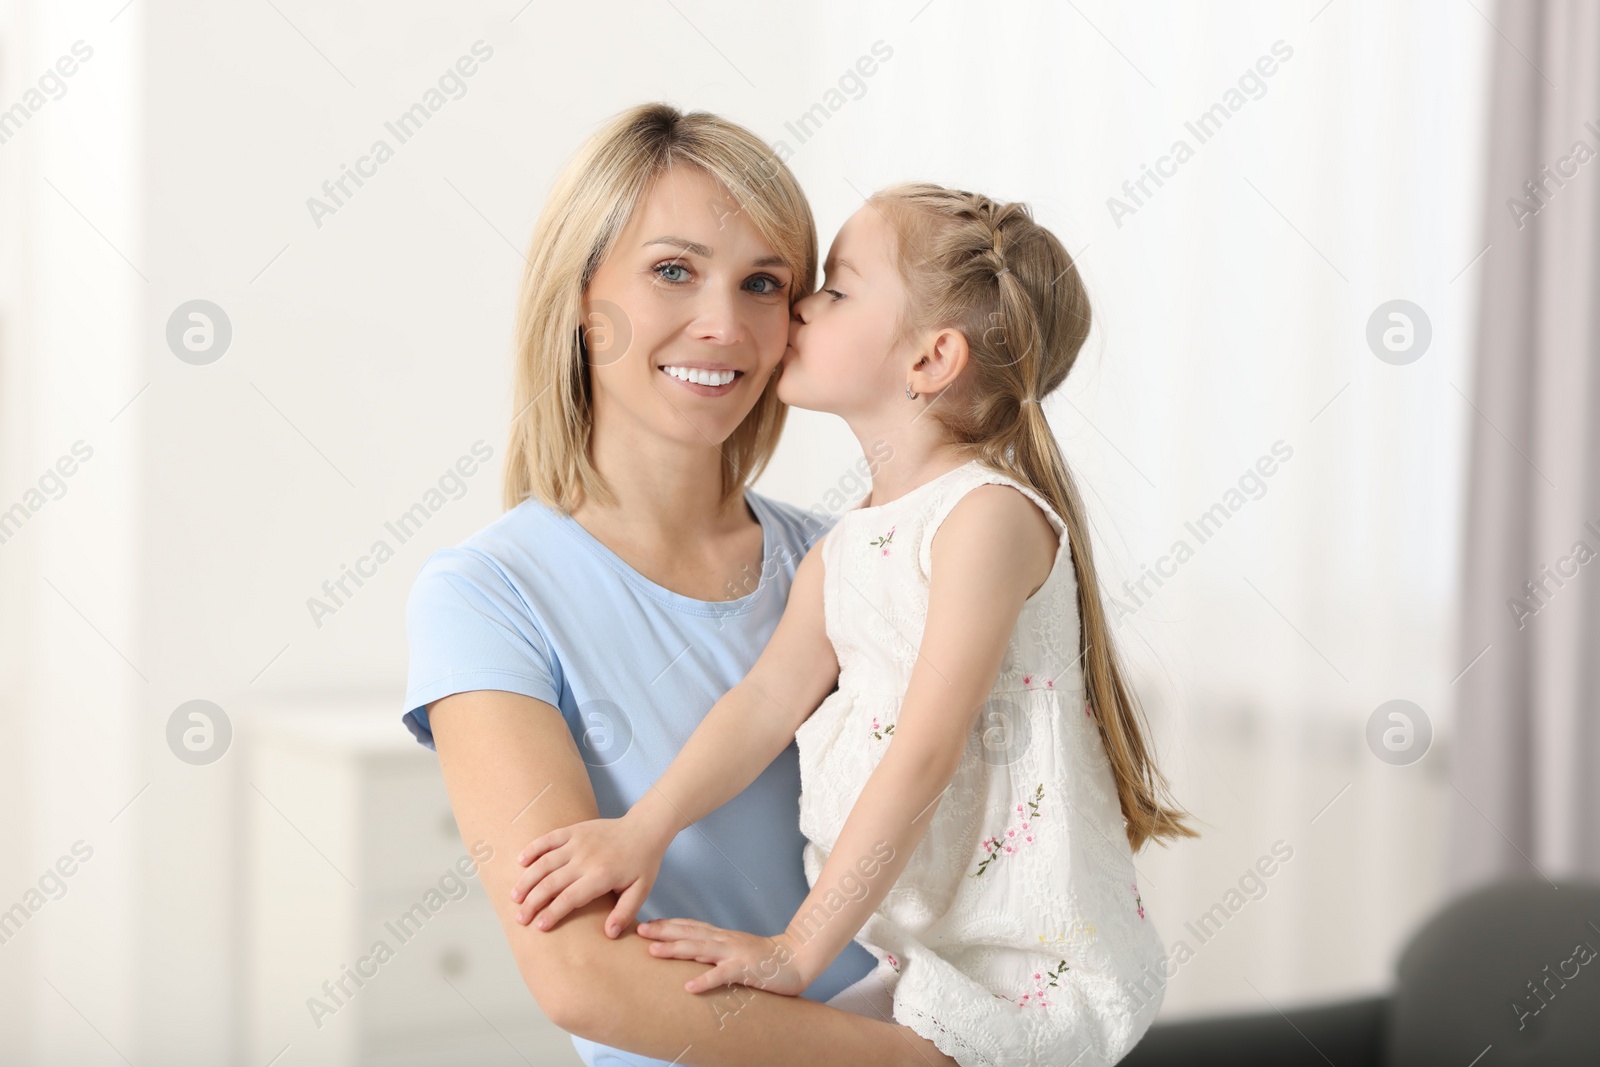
{"points": [[1336, 425]]}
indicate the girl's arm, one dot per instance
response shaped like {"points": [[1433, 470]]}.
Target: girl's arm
{"points": [[512, 769], [755, 720], [741, 734], [992, 552]]}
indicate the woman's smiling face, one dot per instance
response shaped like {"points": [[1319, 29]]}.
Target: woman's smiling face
{"points": [[843, 344], [688, 316]]}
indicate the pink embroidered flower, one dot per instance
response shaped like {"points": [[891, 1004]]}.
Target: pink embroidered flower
{"points": [[1027, 679], [880, 732], [1138, 901], [883, 541], [892, 961], [992, 846], [1041, 982]]}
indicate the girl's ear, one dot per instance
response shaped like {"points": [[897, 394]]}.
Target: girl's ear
{"points": [[943, 358]]}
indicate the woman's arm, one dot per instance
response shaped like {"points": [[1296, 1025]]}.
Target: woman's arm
{"points": [[513, 771]]}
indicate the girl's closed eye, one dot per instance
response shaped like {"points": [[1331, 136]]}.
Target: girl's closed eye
{"points": [[836, 294]]}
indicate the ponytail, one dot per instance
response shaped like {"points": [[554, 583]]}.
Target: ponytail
{"points": [[1007, 283]]}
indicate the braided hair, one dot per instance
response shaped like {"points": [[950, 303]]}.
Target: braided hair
{"points": [[987, 269]]}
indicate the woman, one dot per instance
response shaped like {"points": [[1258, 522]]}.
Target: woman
{"points": [[562, 655]]}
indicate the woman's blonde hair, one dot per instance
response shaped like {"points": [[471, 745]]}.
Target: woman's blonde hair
{"points": [[547, 455], [989, 270]]}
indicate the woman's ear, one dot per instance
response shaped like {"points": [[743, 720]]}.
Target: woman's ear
{"points": [[943, 358]]}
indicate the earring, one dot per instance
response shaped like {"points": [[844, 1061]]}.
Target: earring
{"points": [[909, 394]]}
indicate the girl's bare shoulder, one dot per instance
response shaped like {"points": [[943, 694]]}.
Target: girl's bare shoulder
{"points": [[995, 519]]}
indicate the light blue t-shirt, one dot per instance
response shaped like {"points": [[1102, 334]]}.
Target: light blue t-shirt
{"points": [[535, 604]]}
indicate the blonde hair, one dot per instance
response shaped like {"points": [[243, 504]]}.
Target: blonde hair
{"points": [[989, 270], [593, 198]]}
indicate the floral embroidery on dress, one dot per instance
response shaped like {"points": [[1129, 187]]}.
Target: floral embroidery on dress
{"points": [[1027, 682], [880, 732], [893, 962], [999, 846], [1042, 980], [1138, 901], [883, 542]]}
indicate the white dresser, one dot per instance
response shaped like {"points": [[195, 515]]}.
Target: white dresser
{"points": [[363, 943]]}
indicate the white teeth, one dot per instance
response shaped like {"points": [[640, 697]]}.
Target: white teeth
{"points": [[701, 377]]}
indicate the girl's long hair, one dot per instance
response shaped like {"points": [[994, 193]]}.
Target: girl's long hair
{"points": [[594, 196], [989, 270]]}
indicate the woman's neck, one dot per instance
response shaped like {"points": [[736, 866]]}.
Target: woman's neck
{"points": [[666, 491]]}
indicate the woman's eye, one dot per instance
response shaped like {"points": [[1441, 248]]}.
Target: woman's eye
{"points": [[836, 294], [662, 271], [769, 285]]}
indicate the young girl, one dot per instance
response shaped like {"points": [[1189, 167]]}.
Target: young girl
{"points": [[974, 788]]}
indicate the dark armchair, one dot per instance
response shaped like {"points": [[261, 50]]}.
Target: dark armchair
{"points": [[1505, 976]]}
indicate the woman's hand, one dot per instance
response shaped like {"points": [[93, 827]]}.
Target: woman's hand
{"points": [[569, 867], [769, 963]]}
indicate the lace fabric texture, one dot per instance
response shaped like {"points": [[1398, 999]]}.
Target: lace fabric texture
{"points": [[1015, 934]]}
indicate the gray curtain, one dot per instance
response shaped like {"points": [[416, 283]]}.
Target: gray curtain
{"points": [[1525, 762]]}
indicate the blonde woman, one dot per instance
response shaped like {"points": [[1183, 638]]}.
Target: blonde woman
{"points": [[561, 656]]}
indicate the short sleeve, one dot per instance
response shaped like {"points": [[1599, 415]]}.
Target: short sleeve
{"points": [[467, 627]]}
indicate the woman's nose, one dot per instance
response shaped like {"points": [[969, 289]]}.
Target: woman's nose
{"points": [[718, 318]]}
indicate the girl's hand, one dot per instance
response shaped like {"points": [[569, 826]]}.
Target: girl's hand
{"points": [[769, 963], [569, 867]]}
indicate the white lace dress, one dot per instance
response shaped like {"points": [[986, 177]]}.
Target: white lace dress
{"points": [[1015, 935]]}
